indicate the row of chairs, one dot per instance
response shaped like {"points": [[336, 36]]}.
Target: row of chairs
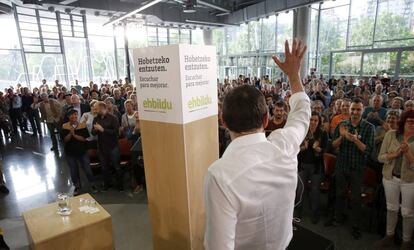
{"points": [[125, 146]]}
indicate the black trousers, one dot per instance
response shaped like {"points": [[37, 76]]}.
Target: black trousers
{"points": [[137, 163], [34, 119], [16, 119], [353, 180]]}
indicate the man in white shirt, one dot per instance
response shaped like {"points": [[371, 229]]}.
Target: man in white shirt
{"points": [[250, 191]]}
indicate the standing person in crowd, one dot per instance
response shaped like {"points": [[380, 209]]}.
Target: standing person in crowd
{"points": [[375, 114], [131, 129], [311, 163], [250, 191], [391, 123], [344, 115], [379, 91], [279, 117], [396, 105], [354, 139], [112, 108], [5, 123], [106, 127], [15, 101], [86, 94], [87, 118], [27, 101], [74, 135], [49, 113], [119, 100], [397, 154]]}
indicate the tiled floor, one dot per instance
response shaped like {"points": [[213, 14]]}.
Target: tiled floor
{"points": [[35, 175]]}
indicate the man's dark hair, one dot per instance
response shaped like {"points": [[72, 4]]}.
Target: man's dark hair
{"points": [[280, 104], [244, 109], [357, 100]]}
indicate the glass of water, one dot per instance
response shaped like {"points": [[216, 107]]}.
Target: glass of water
{"points": [[64, 208]]}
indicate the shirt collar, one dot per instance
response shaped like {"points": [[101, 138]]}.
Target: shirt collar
{"points": [[245, 140]]}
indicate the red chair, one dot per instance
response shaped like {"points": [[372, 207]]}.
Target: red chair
{"points": [[125, 146], [93, 158]]}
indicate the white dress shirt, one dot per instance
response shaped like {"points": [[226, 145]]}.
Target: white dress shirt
{"points": [[250, 191]]}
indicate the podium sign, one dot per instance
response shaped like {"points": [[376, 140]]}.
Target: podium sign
{"points": [[177, 103], [176, 83]]}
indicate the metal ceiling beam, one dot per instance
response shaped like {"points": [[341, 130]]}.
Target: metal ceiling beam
{"points": [[213, 6], [166, 12], [265, 8]]}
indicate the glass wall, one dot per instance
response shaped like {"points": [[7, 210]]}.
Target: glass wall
{"points": [[45, 66], [11, 63], [347, 37]]}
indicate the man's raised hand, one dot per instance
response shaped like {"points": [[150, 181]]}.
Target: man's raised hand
{"points": [[293, 59]]}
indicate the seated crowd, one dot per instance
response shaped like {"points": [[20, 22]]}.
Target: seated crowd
{"points": [[91, 122], [367, 126]]}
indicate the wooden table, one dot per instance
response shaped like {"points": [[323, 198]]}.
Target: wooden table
{"points": [[48, 230]]}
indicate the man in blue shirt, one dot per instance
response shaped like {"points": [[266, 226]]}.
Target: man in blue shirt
{"points": [[375, 114]]}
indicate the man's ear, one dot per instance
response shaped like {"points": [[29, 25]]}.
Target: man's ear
{"points": [[265, 120]]}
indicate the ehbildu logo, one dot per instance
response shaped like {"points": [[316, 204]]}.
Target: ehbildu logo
{"points": [[157, 103], [199, 101]]}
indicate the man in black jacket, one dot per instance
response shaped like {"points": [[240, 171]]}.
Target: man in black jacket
{"points": [[106, 126], [27, 101]]}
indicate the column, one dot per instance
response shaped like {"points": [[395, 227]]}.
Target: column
{"points": [[208, 37], [301, 30], [177, 103]]}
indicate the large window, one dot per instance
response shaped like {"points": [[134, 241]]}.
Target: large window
{"points": [[77, 60], [11, 68], [102, 58], [218, 40], [407, 64], [380, 64], [174, 36], [347, 63], [255, 35], [361, 23], [45, 66], [333, 25], [395, 26], [237, 39], [137, 36], [197, 36], [185, 36], [152, 38], [162, 36], [268, 33], [284, 30]]}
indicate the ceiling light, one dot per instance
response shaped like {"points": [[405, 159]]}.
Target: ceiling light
{"points": [[143, 7]]}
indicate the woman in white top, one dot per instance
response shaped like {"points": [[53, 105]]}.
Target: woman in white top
{"points": [[131, 129], [88, 119]]}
